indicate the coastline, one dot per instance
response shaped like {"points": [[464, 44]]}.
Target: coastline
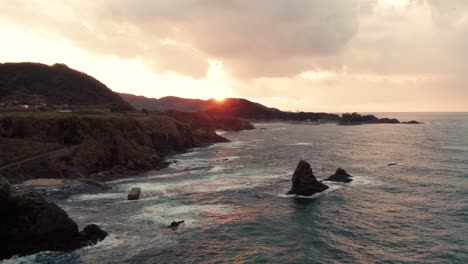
{"points": [[61, 188]]}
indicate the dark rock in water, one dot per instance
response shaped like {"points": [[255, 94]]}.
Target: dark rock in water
{"points": [[340, 176], [413, 122], [304, 181], [134, 194], [392, 164], [29, 224], [93, 234], [175, 224]]}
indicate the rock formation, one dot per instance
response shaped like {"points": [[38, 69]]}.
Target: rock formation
{"points": [[304, 181], [29, 224], [340, 176], [175, 224], [56, 145], [134, 194]]}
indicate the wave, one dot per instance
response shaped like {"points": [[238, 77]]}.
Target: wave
{"points": [[332, 187], [163, 214], [456, 148], [302, 144]]}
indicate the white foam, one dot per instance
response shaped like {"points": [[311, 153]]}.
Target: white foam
{"points": [[189, 154], [217, 168], [332, 187], [303, 144], [164, 213], [365, 180], [230, 145], [221, 132], [24, 260], [111, 241], [97, 196]]}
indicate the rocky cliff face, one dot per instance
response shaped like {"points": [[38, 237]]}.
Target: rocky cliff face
{"points": [[229, 123], [304, 181], [203, 126], [29, 224], [92, 143]]}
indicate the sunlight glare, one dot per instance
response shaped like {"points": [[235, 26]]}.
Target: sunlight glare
{"points": [[393, 3]]}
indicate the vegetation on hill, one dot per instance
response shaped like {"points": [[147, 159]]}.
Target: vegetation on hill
{"points": [[165, 103], [35, 83], [235, 107]]}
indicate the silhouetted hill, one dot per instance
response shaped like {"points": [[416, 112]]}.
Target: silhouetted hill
{"points": [[164, 103], [243, 108], [32, 83], [235, 107]]}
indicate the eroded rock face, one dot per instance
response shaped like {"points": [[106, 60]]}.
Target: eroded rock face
{"points": [[304, 181], [340, 176], [29, 224]]}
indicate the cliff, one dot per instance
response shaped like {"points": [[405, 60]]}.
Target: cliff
{"points": [[73, 145], [30, 224]]}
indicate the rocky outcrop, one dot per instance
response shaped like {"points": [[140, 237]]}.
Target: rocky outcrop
{"points": [[340, 176], [134, 194], [412, 122], [229, 123], [348, 119], [82, 145], [175, 224], [29, 224], [304, 181]]}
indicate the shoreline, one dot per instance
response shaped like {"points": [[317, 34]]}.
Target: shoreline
{"points": [[52, 188]]}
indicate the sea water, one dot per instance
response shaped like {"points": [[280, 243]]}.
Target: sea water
{"points": [[234, 203]]}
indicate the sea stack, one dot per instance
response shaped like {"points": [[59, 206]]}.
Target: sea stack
{"points": [[30, 224], [304, 181], [340, 176]]}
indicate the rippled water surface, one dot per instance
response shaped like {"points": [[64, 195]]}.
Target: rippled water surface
{"points": [[236, 211]]}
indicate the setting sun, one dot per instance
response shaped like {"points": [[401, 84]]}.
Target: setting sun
{"points": [[219, 99]]}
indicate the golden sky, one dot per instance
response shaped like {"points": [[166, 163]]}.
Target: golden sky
{"points": [[313, 55]]}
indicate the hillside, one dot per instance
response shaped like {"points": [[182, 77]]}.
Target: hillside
{"points": [[40, 84], [164, 103], [235, 107]]}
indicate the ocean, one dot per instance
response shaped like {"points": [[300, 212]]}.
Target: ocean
{"points": [[234, 203]]}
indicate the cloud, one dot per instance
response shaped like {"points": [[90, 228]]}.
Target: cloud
{"points": [[335, 53], [253, 38]]}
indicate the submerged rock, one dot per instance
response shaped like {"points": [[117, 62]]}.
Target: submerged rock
{"points": [[134, 194], [175, 224], [392, 164], [340, 176], [29, 224], [304, 181], [93, 234]]}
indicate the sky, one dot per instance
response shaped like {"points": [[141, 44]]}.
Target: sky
{"points": [[310, 55]]}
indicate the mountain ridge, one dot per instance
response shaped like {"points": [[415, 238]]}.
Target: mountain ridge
{"points": [[40, 84]]}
